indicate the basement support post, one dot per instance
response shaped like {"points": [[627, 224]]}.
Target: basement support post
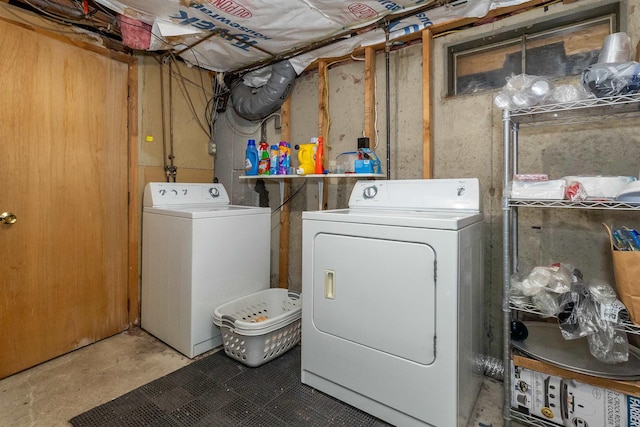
{"points": [[370, 95], [283, 258], [323, 120], [427, 104], [134, 199]]}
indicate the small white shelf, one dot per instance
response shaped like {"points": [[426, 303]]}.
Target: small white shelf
{"points": [[318, 177], [315, 176]]}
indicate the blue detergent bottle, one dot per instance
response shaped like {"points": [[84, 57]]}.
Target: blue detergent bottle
{"points": [[251, 159]]}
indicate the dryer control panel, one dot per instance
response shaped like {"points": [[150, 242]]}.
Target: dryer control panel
{"points": [[418, 194], [174, 193]]}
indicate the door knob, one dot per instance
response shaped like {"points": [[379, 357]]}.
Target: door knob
{"points": [[7, 218]]}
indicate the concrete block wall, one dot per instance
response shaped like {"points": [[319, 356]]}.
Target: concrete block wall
{"points": [[467, 133]]}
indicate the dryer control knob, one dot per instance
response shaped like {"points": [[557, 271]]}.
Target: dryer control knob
{"points": [[370, 192], [214, 192]]}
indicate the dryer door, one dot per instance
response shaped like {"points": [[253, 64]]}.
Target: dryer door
{"points": [[377, 293]]}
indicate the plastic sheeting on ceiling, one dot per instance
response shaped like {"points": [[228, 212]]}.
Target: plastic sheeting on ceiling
{"points": [[231, 35]]}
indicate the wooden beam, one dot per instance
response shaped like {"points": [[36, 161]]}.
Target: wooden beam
{"points": [[456, 24], [61, 33], [370, 94], [283, 258], [134, 199], [323, 100], [453, 25], [323, 118], [427, 106]]}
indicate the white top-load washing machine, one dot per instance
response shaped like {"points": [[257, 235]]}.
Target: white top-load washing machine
{"points": [[392, 318], [198, 252]]}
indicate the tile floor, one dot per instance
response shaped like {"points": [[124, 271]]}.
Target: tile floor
{"points": [[53, 392]]}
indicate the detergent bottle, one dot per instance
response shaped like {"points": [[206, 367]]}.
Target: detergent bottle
{"points": [[273, 160], [251, 159], [307, 158], [284, 158], [319, 164], [264, 162]]}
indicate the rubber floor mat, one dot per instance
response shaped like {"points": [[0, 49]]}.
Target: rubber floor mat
{"points": [[219, 391]]}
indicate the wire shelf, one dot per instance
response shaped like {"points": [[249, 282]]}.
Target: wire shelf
{"points": [[626, 325], [585, 204], [587, 110]]}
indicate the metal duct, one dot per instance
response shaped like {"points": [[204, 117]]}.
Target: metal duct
{"points": [[257, 103], [490, 366]]}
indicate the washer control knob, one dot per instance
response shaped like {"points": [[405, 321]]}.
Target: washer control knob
{"points": [[214, 192], [370, 192], [174, 191]]}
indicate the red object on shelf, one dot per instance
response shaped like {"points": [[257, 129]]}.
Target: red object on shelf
{"points": [[320, 157]]}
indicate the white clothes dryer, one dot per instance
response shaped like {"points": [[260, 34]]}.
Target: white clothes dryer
{"points": [[198, 252], [392, 315]]}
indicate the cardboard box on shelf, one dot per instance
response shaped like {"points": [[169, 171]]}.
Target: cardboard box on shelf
{"points": [[570, 403]]}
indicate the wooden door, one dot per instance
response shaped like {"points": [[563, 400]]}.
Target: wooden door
{"points": [[64, 175]]}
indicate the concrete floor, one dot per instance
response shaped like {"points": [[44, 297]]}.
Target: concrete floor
{"points": [[53, 392]]}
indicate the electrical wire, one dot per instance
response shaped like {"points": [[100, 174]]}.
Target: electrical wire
{"points": [[375, 112], [290, 198], [90, 20], [327, 121], [189, 101], [200, 74], [241, 132], [106, 11], [58, 18], [26, 21]]}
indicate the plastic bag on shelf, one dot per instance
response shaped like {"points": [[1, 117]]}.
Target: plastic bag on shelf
{"points": [[599, 187], [612, 79], [527, 288], [576, 312], [575, 192], [555, 278], [546, 302], [542, 286], [537, 189], [523, 91], [568, 93], [602, 292], [516, 295], [607, 344]]}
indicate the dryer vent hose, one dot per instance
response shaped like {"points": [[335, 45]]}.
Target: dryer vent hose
{"points": [[257, 103], [490, 366]]}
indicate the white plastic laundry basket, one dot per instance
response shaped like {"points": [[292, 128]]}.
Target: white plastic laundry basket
{"points": [[261, 326]]}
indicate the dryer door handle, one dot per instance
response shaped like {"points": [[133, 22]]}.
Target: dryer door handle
{"points": [[329, 284]]}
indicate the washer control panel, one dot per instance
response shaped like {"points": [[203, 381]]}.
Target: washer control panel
{"points": [[174, 193]]}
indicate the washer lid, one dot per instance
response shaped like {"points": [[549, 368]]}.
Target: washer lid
{"points": [[205, 211], [436, 219]]}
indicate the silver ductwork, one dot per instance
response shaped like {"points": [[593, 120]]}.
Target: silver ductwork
{"points": [[257, 103]]}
